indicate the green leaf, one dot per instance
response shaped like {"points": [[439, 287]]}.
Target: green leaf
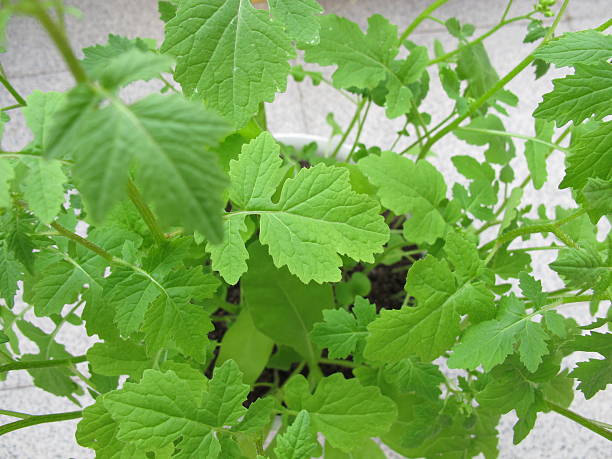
{"points": [[230, 256], [431, 327], [598, 197], [585, 47], [167, 137], [57, 282], [343, 333], [318, 200], [297, 442], [6, 175], [579, 96], [161, 408], [281, 306], [348, 413], [229, 54], [130, 66], [366, 60], [411, 375], [118, 358], [594, 375], [589, 158], [246, 346], [39, 114], [408, 187], [98, 57], [10, 273], [299, 17], [44, 188], [500, 148], [536, 153], [475, 67], [580, 266], [532, 289], [489, 343], [98, 430]]}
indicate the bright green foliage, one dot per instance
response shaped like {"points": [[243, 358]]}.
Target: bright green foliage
{"points": [[299, 17], [229, 54], [536, 153], [344, 333], [580, 266], [414, 188], [366, 60], [585, 47], [319, 199], [431, 327], [594, 374], [6, 175], [597, 194], [282, 307], [98, 57], [118, 358], [411, 375], [576, 97], [346, 412], [489, 343], [39, 114], [44, 188], [297, 442], [589, 157], [483, 189], [500, 149], [162, 408]]}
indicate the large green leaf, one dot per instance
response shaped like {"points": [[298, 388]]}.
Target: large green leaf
{"points": [[408, 187], [584, 47], [229, 54], [44, 188], [299, 17], [316, 218], [281, 306]]}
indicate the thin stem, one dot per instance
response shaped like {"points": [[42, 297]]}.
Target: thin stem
{"points": [[146, 213], [593, 426], [15, 414], [420, 18], [42, 419], [359, 129], [9, 87], [506, 11], [518, 136], [58, 327], [27, 365], [493, 89], [400, 134], [340, 363], [84, 378], [168, 84], [84, 242], [349, 128], [61, 42], [428, 133]]}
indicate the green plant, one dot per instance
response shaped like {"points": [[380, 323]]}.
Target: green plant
{"points": [[216, 270]]}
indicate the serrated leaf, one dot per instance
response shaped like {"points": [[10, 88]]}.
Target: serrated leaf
{"points": [[117, 358], [589, 157], [297, 442], [348, 413], [536, 153], [44, 188], [532, 289], [580, 266], [343, 333], [230, 256], [584, 47], [229, 54], [318, 200], [130, 66], [594, 375], [408, 187], [598, 197], [500, 148], [366, 60], [167, 137], [489, 343], [299, 17], [38, 113], [6, 175], [160, 408], [431, 327], [411, 375], [10, 273], [579, 96], [98, 56]]}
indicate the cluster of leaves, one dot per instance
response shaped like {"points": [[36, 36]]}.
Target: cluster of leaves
{"points": [[229, 287]]}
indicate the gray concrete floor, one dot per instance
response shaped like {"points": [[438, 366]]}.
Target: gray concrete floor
{"points": [[32, 63]]}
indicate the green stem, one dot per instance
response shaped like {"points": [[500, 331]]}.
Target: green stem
{"points": [[359, 129], [15, 414], [493, 89], [518, 136], [399, 134], [27, 365], [61, 42], [593, 426], [420, 18], [604, 26], [340, 363], [84, 242], [9, 87], [349, 128], [146, 213], [42, 419]]}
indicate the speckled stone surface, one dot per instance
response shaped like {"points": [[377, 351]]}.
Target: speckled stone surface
{"points": [[32, 63]]}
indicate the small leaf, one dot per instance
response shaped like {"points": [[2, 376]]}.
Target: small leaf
{"points": [[297, 442]]}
